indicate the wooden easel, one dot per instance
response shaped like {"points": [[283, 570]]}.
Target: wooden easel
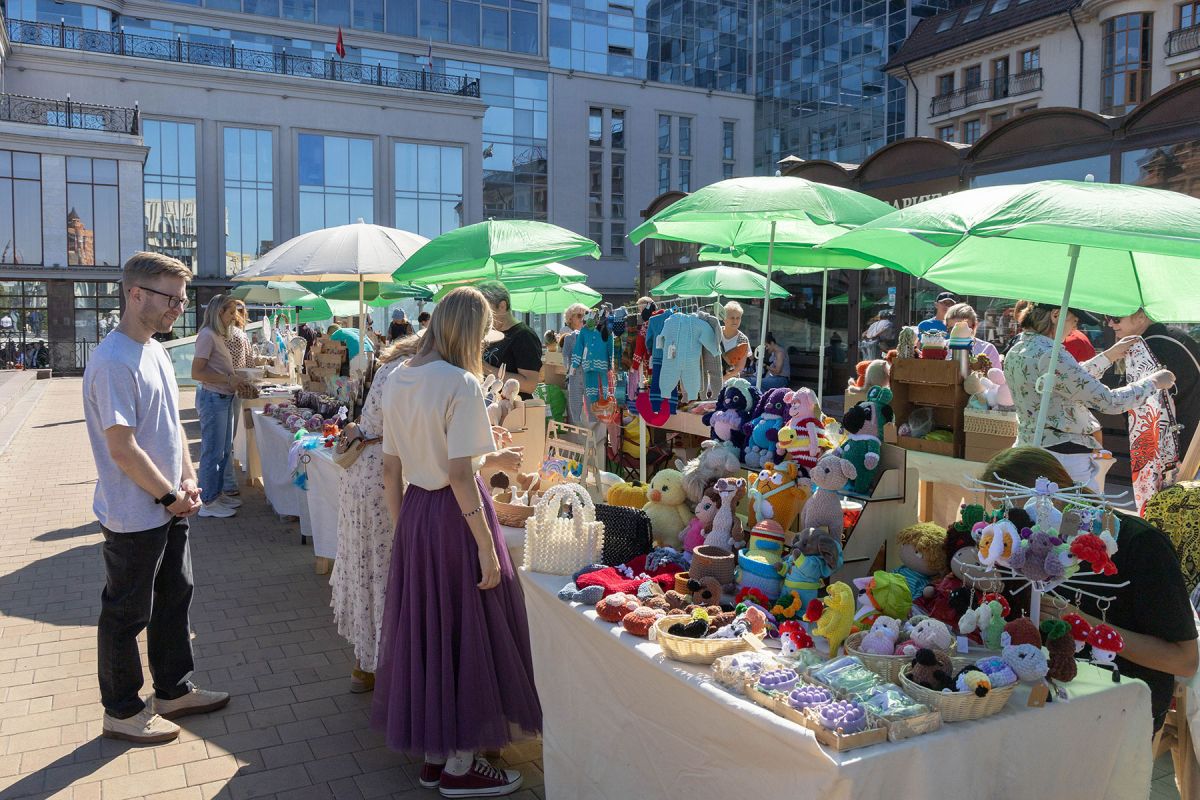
{"points": [[578, 444]]}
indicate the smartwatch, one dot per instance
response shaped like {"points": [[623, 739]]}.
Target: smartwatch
{"points": [[167, 500]]}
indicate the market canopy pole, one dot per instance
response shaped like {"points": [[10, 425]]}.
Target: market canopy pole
{"points": [[1059, 331], [821, 345], [762, 334]]}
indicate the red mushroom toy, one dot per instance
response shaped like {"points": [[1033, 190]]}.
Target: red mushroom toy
{"points": [[1079, 629], [794, 638], [1106, 643]]}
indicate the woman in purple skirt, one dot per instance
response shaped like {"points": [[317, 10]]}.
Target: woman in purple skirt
{"points": [[455, 673]]}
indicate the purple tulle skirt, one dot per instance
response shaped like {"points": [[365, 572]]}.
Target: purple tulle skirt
{"points": [[455, 671]]}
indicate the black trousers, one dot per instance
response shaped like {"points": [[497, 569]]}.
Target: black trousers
{"points": [[148, 587]]}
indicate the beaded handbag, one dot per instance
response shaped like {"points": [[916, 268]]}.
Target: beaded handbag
{"points": [[561, 545]]}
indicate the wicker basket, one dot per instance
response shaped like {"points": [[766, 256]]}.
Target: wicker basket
{"points": [[511, 515], [710, 561], [958, 706], [694, 651], [888, 667], [681, 582], [991, 423]]}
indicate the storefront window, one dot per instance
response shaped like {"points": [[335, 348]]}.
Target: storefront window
{"points": [[429, 188], [23, 324], [1174, 166], [336, 181], [249, 197], [170, 189], [1126, 66], [92, 218], [20, 208], [1078, 170], [97, 310]]}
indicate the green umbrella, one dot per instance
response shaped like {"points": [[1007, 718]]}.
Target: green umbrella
{"points": [[377, 295], [555, 300], [718, 281], [769, 223], [314, 308], [489, 249], [1134, 247], [546, 276]]}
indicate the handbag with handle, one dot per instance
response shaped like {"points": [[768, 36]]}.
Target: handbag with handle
{"points": [[350, 445], [626, 533], [559, 545]]}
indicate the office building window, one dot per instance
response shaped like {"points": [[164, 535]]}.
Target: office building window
{"points": [[429, 188], [20, 208], [682, 150], [24, 303], [617, 186], [93, 228], [249, 196], [1031, 59], [946, 133], [727, 150], [945, 84], [685, 174], [595, 127], [664, 175], [664, 133], [618, 129], [1189, 15], [685, 136], [1126, 62], [170, 214], [970, 131], [606, 179], [336, 181]]}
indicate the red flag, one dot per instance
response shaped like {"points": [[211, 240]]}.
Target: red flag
{"points": [[341, 47]]}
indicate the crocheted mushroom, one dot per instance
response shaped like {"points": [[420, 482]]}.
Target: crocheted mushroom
{"points": [[1106, 643], [1079, 629]]}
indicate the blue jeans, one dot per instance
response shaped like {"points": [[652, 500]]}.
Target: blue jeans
{"points": [[229, 484], [774, 382], [216, 440]]}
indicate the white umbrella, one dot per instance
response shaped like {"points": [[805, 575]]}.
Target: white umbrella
{"points": [[274, 293], [362, 251]]}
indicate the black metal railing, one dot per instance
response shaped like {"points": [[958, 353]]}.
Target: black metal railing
{"points": [[986, 91], [1183, 40], [48, 34], [68, 114]]}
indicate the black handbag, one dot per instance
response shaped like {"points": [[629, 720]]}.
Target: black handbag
{"points": [[626, 533]]}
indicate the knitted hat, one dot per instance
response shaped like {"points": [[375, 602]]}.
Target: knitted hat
{"points": [[890, 594]]}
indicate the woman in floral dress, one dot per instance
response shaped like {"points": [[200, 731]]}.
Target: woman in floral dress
{"points": [[365, 534]]}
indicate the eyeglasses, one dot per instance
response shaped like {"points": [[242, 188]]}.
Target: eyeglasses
{"points": [[1111, 320], [173, 301]]}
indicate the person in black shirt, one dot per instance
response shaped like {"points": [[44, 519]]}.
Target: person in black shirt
{"points": [[1180, 354], [520, 351], [1153, 613]]}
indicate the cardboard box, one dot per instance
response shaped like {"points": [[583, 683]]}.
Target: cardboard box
{"points": [[982, 446]]}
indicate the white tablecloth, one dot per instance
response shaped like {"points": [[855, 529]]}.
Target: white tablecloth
{"points": [[324, 491], [274, 442], [621, 721]]}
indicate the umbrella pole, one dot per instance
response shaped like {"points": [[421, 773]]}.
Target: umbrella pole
{"points": [[1049, 378], [762, 334], [821, 343]]}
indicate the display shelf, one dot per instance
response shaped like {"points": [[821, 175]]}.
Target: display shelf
{"points": [[936, 385]]}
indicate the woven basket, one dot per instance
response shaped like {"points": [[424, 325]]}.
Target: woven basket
{"points": [[888, 667], [710, 561], [511, 515], [681, 582], [958, 706], [694, 651], [992, 423]]}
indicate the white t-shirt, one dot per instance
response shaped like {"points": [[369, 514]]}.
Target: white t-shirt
{"points": [[433, 413], [212, 347]]}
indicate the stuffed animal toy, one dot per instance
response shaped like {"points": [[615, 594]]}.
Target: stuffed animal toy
{"points": [[906, 342], [734, 408], [882, 594], [932, 669], [881, 639], [762, 431], [793, 445], [933, 345], [629, 495], [922, 556], [947, 600], [666, 505], [961, 338], [507, 401], [695, 628], [750, 620], [972, 679], [706, 511], [1028, 662], [706, 591], [1020, 631], [726, 523], [816, 555], [1039, 556], [1079, 630], [999, 396], [870, 373], [996, 541], [758, 563], [716, 460], [776, 493], [802, 439], [928, 633], [835, 616], [998, 671], [1061, 647], [1106, 645], [793, 638], [864, 423], [823, 510], [975, 385]]}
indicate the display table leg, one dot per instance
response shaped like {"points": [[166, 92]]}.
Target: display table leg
{"points": [[925, 502], [323, 566]]}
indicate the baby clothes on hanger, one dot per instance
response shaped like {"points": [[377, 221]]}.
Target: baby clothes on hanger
{"points": [[654, 342], [591, 355], [576, 409], [684, 337], [712, 364]]}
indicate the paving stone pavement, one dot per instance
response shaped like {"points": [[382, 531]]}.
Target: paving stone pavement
{"points": [[263, 632]]}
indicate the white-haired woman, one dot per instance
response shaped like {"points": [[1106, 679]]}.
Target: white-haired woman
{"points": [[573, 320], [212, 368], [735, 345]]}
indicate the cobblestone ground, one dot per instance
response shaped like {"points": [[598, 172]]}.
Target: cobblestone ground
{"points": [[264, 633]]}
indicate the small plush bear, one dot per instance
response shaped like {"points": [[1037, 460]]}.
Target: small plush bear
{"points": [[932, 669], [706, 591], [881, 639]]}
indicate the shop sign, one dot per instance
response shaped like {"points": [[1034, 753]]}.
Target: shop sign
{"points": [[905, 202]]}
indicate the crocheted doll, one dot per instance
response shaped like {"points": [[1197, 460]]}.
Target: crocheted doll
{"points": [[815, 556], [823, 510], [802, 439], [734, 408], [834, 616], [881, 639], [716, 460], [1029, 662], [776, 493], [666, 505], [932, 669], [726, 523], [706, 510], [1061, 647], [758, 563], [864, 423], [762, 431], [870, 373], [922, 556], [929, 632]]}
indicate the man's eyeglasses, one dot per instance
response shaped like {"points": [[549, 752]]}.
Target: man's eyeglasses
{"points": [[173, 301]]}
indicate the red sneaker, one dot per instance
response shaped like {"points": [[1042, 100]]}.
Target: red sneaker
{"points": [[431, 774], [482, 780]]}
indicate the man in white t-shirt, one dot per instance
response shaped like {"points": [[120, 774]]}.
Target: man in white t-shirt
{"points": [[145, 492]]}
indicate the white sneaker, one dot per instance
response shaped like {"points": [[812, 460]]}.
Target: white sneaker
{"points": [[197, 701], [230, 502], [144, 727], [216, 509]]}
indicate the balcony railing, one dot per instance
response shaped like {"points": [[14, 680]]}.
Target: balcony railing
{"points": [[47, 34], [68, 114], [1183, 40], [985, 92]]}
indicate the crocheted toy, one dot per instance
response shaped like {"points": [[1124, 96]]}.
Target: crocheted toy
{"points": [[762, 431], [834, 616], [613, 579], [802, 438], [695, 628], [706, 591], [933, 345], [928, 633], [998, 671], [974, 680], [906, 342], [666, 505], [1079, 630], [1061, 647], [882, 594], [869, 373], [864, 423], [823, 510], [1039, 556], [1095, 551], [775, 493], [932, 669], [629, 495], [726, 525], [716, 460], [1029, 663], [750, 620], [706, 510], [1106, 645], [996, 541], [734, 408], [758, 563], [922, 556], [961, 338], [641, 620], [999, 396], [881, 639], [815, 555], [793, 638], [1020, 631], [614, 607], [507, 400], [986, 622]]}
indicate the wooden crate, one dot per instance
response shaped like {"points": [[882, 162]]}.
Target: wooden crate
{"points": [[925, 370], [982, 446], [937, 385], [927, 446]]}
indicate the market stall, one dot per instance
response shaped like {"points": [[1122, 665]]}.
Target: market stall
{"points": [[611, 698], [274, 443]]}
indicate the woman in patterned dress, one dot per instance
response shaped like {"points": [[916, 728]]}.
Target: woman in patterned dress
{"points": [[242, 356], [365, 533]]}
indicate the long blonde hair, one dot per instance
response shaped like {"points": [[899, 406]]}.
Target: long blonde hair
{"points": [[457, 327], [400, 348], [212, 314]]}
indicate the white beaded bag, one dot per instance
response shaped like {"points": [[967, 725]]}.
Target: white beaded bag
{"points": [[560, 545]]}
